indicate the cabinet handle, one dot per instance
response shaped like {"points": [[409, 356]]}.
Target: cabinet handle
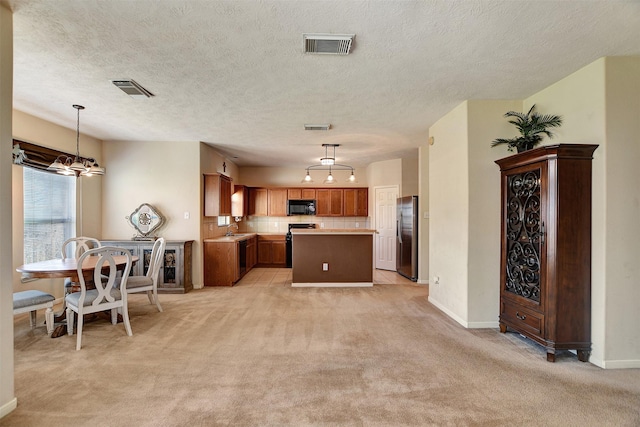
{"points": [[524, 316], [542, 233]]}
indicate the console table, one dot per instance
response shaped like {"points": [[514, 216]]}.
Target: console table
{"points": [[175, 272]]}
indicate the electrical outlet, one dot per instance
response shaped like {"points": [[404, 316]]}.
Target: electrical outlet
{"points": [[322, 225], [186, 215], [357, 225], [325, 266]]}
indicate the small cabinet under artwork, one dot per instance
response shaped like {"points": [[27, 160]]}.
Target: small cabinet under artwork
{"points": [[175, 272]]}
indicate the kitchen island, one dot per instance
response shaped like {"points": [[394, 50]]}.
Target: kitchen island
{"points": [[332, 257]]}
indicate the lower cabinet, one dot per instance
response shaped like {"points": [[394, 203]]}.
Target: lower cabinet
{"points": [[226, 262], [175, 273], [272, 251]]}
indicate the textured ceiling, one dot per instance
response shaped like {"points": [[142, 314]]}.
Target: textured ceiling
{"points": [[232, 73]]}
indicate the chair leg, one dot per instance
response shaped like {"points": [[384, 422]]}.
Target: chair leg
{"points": [[48, 316], [32, 318], [125, 320], [70, 320], [155, 299], [79, 333]]}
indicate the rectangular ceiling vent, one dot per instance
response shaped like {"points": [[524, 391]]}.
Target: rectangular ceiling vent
{"points": [[317, 127], [132, 88], [328, 44]]}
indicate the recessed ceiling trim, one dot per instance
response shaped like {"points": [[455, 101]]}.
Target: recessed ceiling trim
{"points": [[132, 88], [327, 44], [326, 126]]}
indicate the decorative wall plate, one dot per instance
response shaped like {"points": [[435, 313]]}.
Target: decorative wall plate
{"points": [[146, 219]]}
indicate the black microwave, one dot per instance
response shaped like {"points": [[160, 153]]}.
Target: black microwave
{"points": [[301, 207]]}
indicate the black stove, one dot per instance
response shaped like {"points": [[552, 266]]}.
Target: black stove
{"points": [[289, 239]]}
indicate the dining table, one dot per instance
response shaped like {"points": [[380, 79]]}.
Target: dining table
{"points": [[63, 268]]}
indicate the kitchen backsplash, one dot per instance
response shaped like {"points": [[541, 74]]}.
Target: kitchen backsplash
{"points": [[275, 224]]}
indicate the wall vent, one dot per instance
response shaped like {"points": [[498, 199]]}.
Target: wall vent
{"points": [[317, 127], [328, 44], [132, 88]]}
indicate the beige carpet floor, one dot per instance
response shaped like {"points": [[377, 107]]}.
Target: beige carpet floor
{"points": [[265, 354]]}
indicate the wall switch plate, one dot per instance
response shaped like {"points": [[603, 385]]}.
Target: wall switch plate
{"points": [[436, 280], [426, 215], [186, 215], [325, 266]]}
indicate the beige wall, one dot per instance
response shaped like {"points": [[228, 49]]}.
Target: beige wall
{"points": [[8, 400], [410, 177], [292, 177], [163, 174], [449, 212], [89, 189], [485, 123], [600, 105], [423, 222]]}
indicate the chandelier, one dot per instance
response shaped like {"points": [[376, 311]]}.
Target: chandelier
{"points": [[77, 165], [329, 163]]}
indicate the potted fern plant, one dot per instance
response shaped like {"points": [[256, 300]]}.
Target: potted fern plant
{"points": [[532, 127]]}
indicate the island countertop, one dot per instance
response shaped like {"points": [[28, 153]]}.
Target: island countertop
{"points": [[332, 231]]}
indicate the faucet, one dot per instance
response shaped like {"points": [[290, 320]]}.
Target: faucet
{"points": [[229, 232]]}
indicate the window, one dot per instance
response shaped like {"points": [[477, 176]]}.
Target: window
{"points": [[224, 220], [49, 213]]}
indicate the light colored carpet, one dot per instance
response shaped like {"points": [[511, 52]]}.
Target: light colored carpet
{"points": [[266, 354]]}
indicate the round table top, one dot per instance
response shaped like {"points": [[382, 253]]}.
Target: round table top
{"points": [[53, 268]]}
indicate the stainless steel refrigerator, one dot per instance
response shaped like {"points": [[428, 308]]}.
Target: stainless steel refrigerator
{"points": [[407, 237]]}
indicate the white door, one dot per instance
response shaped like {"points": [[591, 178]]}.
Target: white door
{"points": [[385, 220]]}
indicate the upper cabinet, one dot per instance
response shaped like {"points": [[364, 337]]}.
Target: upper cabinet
{"points": [[356, 202], [277, 202], [240, 201], [329, 201], [301, 194], [258, 201], [217, 195]]}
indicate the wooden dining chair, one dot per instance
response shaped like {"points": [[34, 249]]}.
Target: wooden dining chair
{"points": [[82, 244], [32, 300], [149, 282], [105, 296]]}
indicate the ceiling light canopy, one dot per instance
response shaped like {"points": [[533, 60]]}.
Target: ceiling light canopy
{"points": [[328, 162], [328, 44], [77, 165], [325, 126]]}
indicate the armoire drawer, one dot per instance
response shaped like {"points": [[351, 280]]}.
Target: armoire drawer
{"points": [[522, 318]]}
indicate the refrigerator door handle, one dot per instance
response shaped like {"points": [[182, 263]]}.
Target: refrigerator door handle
{"points": [[398, 233]]}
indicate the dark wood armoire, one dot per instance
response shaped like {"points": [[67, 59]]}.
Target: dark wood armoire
{"points": [[545, 278]]}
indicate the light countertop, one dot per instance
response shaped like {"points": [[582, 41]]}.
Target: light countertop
{"points": [[332, 231]]}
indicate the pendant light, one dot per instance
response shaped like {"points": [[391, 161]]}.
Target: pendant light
{"points": [[328, 163], [77, 165]]}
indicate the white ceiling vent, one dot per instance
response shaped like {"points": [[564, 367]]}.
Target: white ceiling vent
{"points": [[328, 44], [132, 88], [317, 127]]}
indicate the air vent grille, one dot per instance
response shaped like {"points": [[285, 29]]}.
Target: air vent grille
{"points": [[317, 127], [132, 88], [328, 44]]}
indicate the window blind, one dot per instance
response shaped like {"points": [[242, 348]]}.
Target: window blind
{"points": [[49, 213]]}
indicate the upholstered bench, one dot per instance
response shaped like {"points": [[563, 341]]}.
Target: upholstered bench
{"points": [[30, 301]]}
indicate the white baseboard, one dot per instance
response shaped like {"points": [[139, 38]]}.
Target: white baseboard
{"points": [[448, 312], [8, 407], [619, 364]]}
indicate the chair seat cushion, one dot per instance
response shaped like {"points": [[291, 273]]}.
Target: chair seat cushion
{"points": [[90, 297], [29, 298], [136, 282]]}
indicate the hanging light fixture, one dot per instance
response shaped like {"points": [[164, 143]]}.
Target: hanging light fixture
{"points": [[77, 165], [329, 163]]}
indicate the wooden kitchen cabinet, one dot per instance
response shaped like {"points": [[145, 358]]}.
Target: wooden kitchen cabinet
{"points": [[225, 263], [240, 201], [356, 202], [258, 201], [272, 251], [301, 194], [175, 271], [545, 261], [217, 195], [277, 202], [329, 202]]}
